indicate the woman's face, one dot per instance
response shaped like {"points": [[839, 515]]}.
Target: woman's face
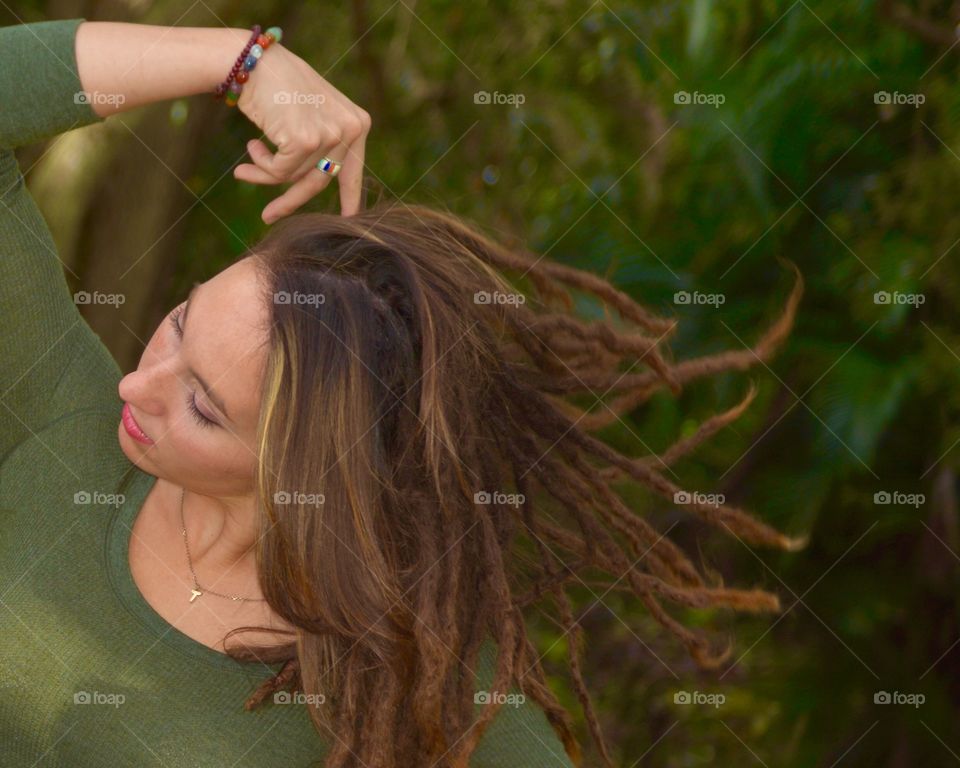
{"points": [[216, 366]]}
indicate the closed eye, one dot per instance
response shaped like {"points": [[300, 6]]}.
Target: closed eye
{"points": [[175, 321], [198, 416]]}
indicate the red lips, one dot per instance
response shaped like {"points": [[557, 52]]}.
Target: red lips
{"points": [[133, 429]]}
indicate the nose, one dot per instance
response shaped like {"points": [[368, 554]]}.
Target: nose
{"points": [[136, 389], [144, 388]]}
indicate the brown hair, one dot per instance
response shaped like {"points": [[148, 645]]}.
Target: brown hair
{"points": [[405, 376]]}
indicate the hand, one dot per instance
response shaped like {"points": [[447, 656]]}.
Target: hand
{"points": [[307, 119]]}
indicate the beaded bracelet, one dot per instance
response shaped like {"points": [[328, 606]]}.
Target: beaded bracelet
{"points": [[231, 88], [221, 89]]}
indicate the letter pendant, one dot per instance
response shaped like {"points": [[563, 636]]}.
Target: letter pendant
{"points": [[194, 594]]}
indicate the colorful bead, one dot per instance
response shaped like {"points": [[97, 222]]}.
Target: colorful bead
{"points": [[231, 88]]}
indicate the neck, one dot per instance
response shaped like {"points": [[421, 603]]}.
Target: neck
{"points": [[220, 533]]}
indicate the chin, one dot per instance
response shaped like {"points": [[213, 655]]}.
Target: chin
{"points": [[134, 451]]}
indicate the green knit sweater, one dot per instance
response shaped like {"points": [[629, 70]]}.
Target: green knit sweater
{"points": [[90, 674]]}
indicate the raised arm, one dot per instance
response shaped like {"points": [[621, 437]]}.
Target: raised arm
{"points": [[41, 331], [122, 66], [64, 74]]}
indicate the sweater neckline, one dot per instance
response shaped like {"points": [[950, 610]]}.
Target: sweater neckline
{"points": [[135, 490]]}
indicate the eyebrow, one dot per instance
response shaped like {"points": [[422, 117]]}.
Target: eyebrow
{"points": [[211, 395]]}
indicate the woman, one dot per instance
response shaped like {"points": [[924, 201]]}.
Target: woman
{"points": [[351, 453]]}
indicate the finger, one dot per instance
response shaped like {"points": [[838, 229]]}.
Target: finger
{"points": [[335, 145], [283, 163], [260, 155], [251, 173], [257, 174], [351, 178], [310, 185], [297, 194]]}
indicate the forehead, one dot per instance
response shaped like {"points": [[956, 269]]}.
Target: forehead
{"points": [[226, 335]]}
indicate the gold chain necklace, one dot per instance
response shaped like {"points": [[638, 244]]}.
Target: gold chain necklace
{"points": [[196, 591]]}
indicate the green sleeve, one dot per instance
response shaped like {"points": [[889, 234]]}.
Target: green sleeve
{"points": [[40, 87], [51, 361], [520, 733]]}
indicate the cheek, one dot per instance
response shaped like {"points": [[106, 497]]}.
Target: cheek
{"points": [[192, 445], [210, 451]]}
